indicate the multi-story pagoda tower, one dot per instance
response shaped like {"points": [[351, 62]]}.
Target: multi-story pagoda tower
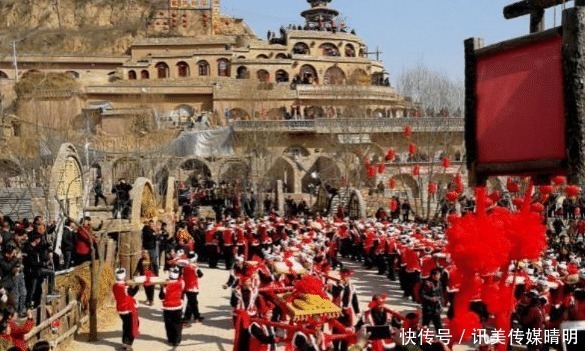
{"points": [[320, 16]]}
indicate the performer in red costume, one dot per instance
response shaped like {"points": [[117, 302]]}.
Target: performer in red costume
{"points": [[172, 296], [191, 275], [126, 307]]}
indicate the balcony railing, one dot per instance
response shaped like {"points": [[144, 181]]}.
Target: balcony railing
{"points": [[341, 92], [354, 125]]}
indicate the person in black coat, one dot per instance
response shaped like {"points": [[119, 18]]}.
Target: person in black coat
{"points": [[122, 203], [35, 258], [149, 238], [68, 243], [10, 266]]}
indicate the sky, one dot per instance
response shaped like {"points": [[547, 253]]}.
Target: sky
{"points": [[408, 32]]}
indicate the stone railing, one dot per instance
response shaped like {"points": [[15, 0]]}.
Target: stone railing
{"points": [[354, 125], [301, 125], [341, 92]]}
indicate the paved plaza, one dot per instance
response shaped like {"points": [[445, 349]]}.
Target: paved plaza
{"points": [[216, 333]]}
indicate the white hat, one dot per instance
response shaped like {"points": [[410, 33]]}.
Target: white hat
{"points": [[120, 274], [192, 257], [174, 273]]}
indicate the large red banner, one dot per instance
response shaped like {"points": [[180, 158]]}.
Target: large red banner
{"points": [[520, 106]]}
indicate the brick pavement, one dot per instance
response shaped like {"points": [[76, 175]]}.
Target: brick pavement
{"points": [[215, 333]]}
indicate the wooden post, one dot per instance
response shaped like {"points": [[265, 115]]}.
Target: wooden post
{"points": [[471, 45], [536, 20], [574, 89]]}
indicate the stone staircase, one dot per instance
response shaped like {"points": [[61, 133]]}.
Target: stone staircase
{"points": [[110, 224], [341, 198]]}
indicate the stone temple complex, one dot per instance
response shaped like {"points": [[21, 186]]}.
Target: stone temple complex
{"points": [[174, 89]]}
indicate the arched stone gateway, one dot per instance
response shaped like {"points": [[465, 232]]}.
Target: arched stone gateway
{"points": [[161, 178], [143, 209], [234, 171], [283, 170], [356, 206], [193, 170], [143, 202], [66, 183], [324, 170], [404, 182], [128, 168]]}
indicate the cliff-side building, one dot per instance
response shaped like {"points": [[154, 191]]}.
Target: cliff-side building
{"points": [[200, 94]]}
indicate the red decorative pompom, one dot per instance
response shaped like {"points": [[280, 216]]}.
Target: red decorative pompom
{"points": [[495, 196], [545, 189], [572, 190], [559, 180], [537, 207], [518, 202], [452, 196], [512, 185], [412, 148], [446, 162]]}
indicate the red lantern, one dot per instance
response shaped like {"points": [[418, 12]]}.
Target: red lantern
{"points": [[390, 155], [452, 196], [371, 171], [412, 148], [446, 162], [392, 183], [432, 188], [545, 189], [393, 205], [381, 168], [559, 180], [416, 170], [572, 190], [407, 131], [495, 196], [537, 207], [512, 186], [518, 202]]}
